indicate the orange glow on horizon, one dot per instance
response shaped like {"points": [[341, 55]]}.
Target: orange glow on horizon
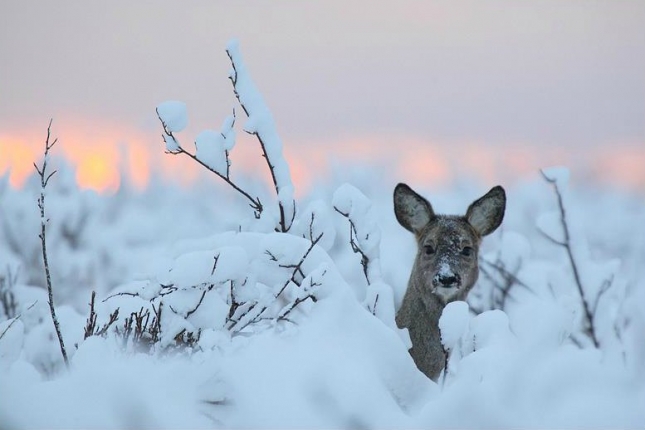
{"points": [[101, 157]]}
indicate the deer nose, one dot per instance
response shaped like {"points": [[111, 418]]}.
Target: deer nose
{"points": [[447, 280]]}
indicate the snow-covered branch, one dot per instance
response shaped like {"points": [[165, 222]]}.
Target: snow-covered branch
{"points": [[364, 234], [260, 124], [212, 148], [365, 240]]}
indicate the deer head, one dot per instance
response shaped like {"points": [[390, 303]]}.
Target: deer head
{"points": [[448, 245]]}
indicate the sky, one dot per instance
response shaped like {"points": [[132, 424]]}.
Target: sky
{"points": [[436, 89]]}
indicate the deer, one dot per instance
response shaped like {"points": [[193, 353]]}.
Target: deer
{"points": [[445, 268]]}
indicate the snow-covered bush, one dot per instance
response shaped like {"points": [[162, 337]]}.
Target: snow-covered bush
{"points": [[283, 315]]}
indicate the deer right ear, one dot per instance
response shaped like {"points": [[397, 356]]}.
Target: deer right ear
{"points": [[486, 213], [412, 211]]}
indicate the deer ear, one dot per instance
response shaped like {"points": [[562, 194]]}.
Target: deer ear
{"points": [[486, 213], [412, 211]]}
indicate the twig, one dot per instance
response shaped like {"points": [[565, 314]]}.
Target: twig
{"points": [[353, 233], [201, 299], [504, 285], [234, 304], [16, 318], [606, 285], [123, 293], [255, 204], [566, 244], [7, 297], [375, 304], [298, 267], [299, 300], [90, 326], [44, 180]]}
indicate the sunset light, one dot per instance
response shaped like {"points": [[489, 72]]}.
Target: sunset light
{"points": [[99, 159]]}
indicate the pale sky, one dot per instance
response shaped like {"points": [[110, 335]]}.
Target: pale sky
{"points": [[495, 73]]}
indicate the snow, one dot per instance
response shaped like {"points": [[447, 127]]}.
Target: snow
{"points": [[172, 145], [316, 221], [351, 201], [292, 335], [212, 147], [340, 363], [174, 115], [453, 323]]}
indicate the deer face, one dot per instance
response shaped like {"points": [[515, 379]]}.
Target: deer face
{"points": [[446, 264]]}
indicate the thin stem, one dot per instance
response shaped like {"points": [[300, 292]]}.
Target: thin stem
{"points": [[353, 233], [44, 179], [591, 331]]}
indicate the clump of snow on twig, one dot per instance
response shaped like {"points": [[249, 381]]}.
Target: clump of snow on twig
{"points": [[174, 115]]}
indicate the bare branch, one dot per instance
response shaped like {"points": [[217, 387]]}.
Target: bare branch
{"points": [[7, 296], [201, 299], [123, 293], [90, 326], [42, 172], [606, 286], [589, 316], [551, 239]]}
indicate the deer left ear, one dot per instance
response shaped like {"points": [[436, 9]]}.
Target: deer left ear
{"points": [[486, 213]]}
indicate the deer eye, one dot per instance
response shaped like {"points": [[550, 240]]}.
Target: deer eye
{"points": [[467, 251], [428, 249]]}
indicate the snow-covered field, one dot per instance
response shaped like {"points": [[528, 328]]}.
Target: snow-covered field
{"points": [[264, 317]]}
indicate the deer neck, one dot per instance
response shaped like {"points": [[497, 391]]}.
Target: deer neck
{"points": [[420, 311]]}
